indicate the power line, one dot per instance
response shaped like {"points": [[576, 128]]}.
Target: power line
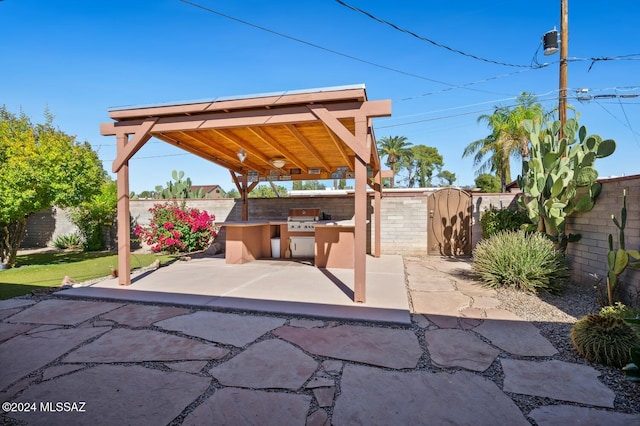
{"points": [[335, 52], [435, 43]]}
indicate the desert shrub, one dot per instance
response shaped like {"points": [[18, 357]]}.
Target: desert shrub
{"points": [[604, 339], [68, 241], [176, 228], [620, 310], [497, 220], [526, 262]]}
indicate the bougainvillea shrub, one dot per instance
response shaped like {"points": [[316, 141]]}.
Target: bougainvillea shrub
{"points": [[176, 228]]}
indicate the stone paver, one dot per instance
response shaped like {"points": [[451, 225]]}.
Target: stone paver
{"points": [[457, 348], [123, 345], [15, 303], [23, 354], [439, 302], [372, 396], [318, 418], [267, 364], [63, 312], [560, 380], [233, 406], [484, 302], [431, 283], [231, 329], [60, 370], [517, 337], [187, 366], [7, 330], [176, 369], [390, 348], [324, 396], [115, 395], [474, 289], [6, 313], [552, 415], [143, 315]]}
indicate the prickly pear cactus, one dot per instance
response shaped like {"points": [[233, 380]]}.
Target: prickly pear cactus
{"points": [[179, 188], [559, 176]]}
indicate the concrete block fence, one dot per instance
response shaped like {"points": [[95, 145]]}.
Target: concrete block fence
{"points": [[404, 217]]}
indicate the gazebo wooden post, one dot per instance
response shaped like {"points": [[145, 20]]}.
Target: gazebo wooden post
{"points": [[124, 227], [245, 198], [377, 196], [360, 238]]}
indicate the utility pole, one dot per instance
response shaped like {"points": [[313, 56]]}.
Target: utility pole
{"points": [[564, 52]]}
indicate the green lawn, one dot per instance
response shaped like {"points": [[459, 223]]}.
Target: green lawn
{"points": [[41, 270]]}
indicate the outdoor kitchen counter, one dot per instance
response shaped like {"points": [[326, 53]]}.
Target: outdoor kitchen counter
{"points": [[334, 244], [250, 240]]}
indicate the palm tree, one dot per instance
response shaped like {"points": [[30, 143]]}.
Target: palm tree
{"points": [[394, 148], [507, 137]]}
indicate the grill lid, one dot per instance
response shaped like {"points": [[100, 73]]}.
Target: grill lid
{"points": [[304, 214]]}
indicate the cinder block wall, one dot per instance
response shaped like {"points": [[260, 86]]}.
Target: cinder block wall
{"points": [[589, 255], [485, 201], [43, 227]]}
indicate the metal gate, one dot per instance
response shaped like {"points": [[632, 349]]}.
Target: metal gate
{"points": [[449, 223]]}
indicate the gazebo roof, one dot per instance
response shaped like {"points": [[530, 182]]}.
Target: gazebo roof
{"points": [[313, 131]]}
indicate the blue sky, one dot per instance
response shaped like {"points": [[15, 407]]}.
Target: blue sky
{"points": [[79, 58]]}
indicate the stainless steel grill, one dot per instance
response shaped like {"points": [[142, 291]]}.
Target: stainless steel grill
{"points": [[302, 220]]}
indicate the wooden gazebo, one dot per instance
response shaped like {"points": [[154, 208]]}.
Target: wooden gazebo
{"points": [[296, 135]]}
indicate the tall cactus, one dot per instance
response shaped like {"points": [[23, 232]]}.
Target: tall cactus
{"points": [[559, 176], [618, 260], [178, 188]]}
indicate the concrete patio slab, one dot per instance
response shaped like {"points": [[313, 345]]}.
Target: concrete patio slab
{"points": [[63, 312], [269, 364], [372, 396], [560, 380], [230, 329], [151, 397], [274, 286], [123, 345], [390, 348], [233, 406]]}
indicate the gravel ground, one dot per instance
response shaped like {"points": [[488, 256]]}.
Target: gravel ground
{"points": [[554, 315]]}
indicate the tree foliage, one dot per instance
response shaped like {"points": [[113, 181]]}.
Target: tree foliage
{"points": [[41, 167], [420, 163], [507, 138], [446, 177], [488, 183], [395, 149], [266, 191]]}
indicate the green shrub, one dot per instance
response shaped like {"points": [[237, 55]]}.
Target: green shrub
{"points": [[68, 241], [524, 261], [93, 217], [497, 220], [620, 310], [604, 339]]}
